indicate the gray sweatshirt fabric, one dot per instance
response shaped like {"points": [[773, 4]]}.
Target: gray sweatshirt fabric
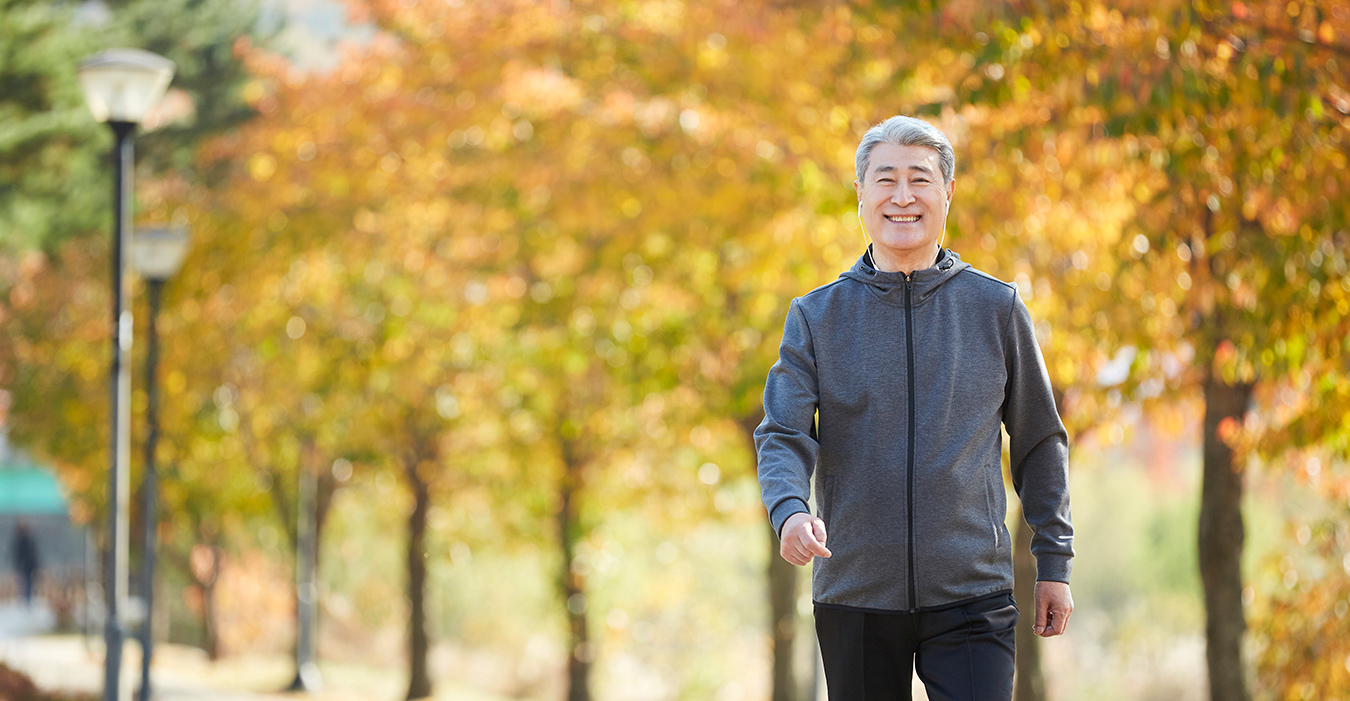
{"points": [[891, 394]]}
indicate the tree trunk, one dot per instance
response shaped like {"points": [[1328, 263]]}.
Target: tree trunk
{"points": [[581, 654], [1221, 536], [282, 499], [309, 511], [210, 622], [419, 681], [782, 594], [307, 676], [1030, 679], [1030, 684], [782, 619], [209, 575]]}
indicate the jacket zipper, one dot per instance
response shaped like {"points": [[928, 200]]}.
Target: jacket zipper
{"points": [[909, 343]]}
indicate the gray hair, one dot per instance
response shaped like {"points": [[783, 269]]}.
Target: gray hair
{"points": [[906, 131]]}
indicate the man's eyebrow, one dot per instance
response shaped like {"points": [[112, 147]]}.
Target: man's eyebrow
{"points": [[891, 169]]}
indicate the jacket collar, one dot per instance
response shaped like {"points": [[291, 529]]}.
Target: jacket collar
{"points": [[890, 287]]}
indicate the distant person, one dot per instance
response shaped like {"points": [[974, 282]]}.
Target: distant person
{"points": [[891, 388], [26, 560]]}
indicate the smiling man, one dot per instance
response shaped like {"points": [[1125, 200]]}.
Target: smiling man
{"points": [[891, 389]]}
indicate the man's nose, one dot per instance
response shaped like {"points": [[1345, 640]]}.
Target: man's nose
{"points": [[902, 195]]}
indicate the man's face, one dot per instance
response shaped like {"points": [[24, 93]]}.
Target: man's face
{"points": [[904, 202]]}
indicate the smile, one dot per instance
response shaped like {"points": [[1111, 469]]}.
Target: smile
{"points": [[905, 218]]}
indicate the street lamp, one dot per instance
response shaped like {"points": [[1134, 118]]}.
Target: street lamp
{"points": [[156, 254], [120, 85]]}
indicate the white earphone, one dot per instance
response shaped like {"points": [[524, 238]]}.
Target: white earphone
{"points": [[867, 239]]}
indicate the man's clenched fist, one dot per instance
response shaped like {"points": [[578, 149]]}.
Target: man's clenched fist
{"points": [[803, 538]]}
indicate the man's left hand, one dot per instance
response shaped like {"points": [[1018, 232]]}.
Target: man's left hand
{"points": [[1054, 604]]}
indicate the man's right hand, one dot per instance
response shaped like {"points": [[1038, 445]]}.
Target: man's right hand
{"points": [[803, 538]]}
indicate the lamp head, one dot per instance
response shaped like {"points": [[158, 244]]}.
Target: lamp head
{"points": [[121, 85], [158, 253]]}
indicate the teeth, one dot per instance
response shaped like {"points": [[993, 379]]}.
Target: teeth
{"points": [[912, 218]]}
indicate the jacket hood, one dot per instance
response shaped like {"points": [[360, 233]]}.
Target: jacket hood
{"points": [[890, 287]]}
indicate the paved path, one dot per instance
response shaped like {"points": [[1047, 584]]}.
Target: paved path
{"points": [[19, 620], [75, 663]]}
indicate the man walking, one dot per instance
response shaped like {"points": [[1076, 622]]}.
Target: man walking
{"points": [[890, 388]]}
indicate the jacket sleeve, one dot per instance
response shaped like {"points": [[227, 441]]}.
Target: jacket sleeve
{"points": [[1038, 449], [785, 441]]}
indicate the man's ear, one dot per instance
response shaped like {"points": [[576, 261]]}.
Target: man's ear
{"points": [[857, 187]]}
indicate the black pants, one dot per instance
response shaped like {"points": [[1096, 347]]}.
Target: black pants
{"points": [[962, 653]]}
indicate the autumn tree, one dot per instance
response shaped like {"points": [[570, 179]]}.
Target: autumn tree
{"points": [[54, 203], [1301, 626], [404, 279], [1226, 255], [600, 107]]}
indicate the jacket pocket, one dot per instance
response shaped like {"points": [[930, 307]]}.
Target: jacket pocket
{"points": [[995, 521], [825, 499]]}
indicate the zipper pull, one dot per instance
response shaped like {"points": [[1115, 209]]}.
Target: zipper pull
{"points": [[909, 281]]}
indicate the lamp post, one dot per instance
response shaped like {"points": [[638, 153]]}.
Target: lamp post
{"points": [[120, 85], [156, 255]]}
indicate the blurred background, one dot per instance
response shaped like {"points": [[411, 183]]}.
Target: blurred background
{"points": [[480, 297]]}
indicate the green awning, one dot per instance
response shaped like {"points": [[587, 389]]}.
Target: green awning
{"points": [[29, 490]]}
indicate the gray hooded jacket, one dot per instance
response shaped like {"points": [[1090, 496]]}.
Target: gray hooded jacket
{"points": [[891, 390]]}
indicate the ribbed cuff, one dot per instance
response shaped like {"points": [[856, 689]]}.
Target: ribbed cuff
{"points": [[1053, 567], [785, 509]]}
